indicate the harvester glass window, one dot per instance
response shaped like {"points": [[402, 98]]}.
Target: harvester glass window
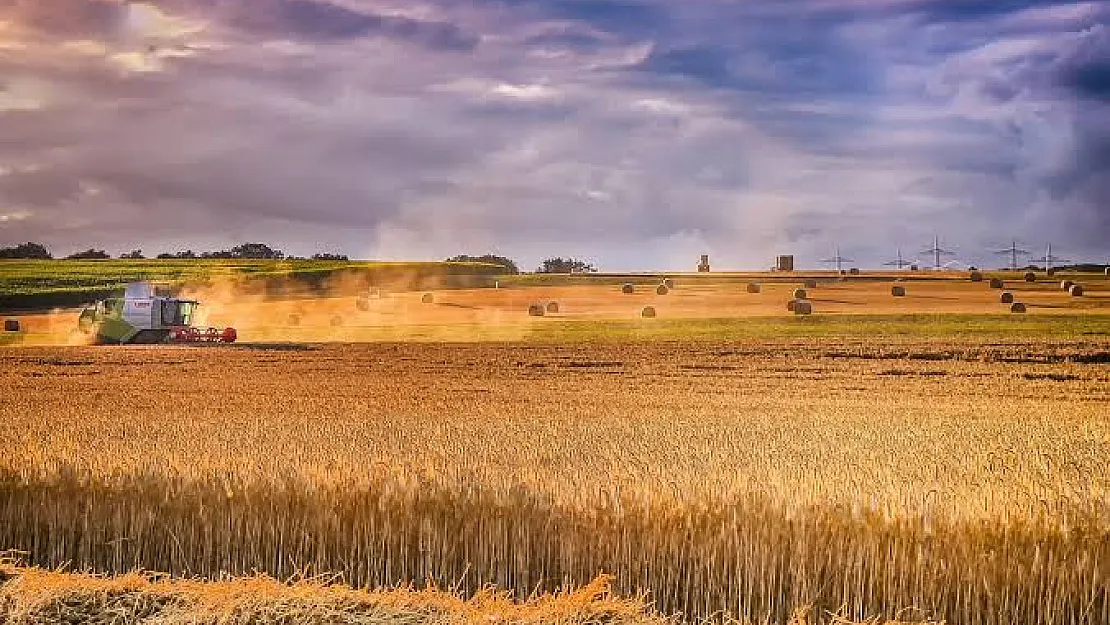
{"points": [[176, 313]]}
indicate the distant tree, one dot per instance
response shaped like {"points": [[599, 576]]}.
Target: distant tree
{"points": [[133, 255], [565, 265], [177, 255], [26, 251], [89, 254], [490, 259], [254, 251], [327, 256]]}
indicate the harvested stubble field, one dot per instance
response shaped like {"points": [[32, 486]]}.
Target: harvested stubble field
{"points": [[598, 310], [961, 479]]}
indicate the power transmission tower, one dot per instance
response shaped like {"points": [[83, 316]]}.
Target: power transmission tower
{"points": [[1050, 260], [839, 260], [937, 252], [899, 262], [1013, 252]]}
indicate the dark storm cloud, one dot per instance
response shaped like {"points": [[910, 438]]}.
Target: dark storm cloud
{"points": [[66, 18], [616, 16], [1086, 70], [973, 10], [322, 21]]}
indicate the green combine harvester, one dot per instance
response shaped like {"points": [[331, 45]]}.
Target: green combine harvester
{"points": [[142, 317]]}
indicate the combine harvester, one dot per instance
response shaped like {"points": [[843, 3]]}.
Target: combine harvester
{"points": [[141, 317]]}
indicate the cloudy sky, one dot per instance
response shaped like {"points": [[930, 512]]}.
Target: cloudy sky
{"points": [[637, 134]]}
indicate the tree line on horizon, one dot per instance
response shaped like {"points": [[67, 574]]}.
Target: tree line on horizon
{"points": [[262, 251], [248, 251]]}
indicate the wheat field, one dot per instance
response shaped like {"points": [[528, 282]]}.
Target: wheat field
{"points": [[961, 481]]}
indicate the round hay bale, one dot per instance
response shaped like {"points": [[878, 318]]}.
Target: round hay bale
{"points": [[1030, 276], [1066, 285], [363, 303], [661, 289], [667, 282], [898, 291], [810, 284], [295, 319], [997, 283], [553, 307], [11, 325], [1108, 271], [1076, 290], [1051, 272], [536, 310], [854, 271], [802, 307], [427, 298], [627, 288], [1007, 297], [754, 287], [800, 294], [648, 312], [336, 321], [976, 276], [790, 305], [1017, 307]]}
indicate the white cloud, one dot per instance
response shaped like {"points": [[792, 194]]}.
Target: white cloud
{"points": [[525, 92]]}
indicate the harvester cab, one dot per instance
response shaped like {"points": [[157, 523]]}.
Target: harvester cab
{"points": [[143, 317]]}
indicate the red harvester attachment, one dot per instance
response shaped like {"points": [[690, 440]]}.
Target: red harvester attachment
{"points": [[203, 335]]}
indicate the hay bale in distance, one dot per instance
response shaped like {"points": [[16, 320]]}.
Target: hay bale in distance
{"points": [[997, 283], [427, 298], [536, 310], [802, 307], [553, 307], [648, 312], [800, 294], [1107, 271], [1017, 307], [667, 282], [11, 325], [854, 271], [810, 284], [1076, 290], [898, 290], [976, 276], [754, 287], [363, 303], [790, 305], [1066, 285], [1030, 276], [661, 289], [627, 288], [1051, 272], [1007, 297]]}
